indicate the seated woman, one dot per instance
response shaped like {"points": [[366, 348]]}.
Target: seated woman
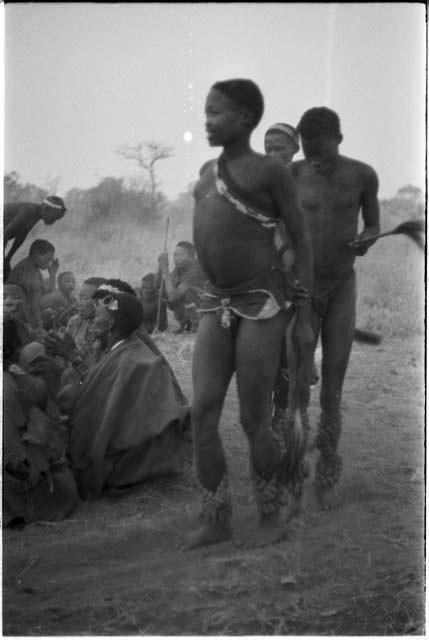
{"points": [[126, 421], [37, 481]]}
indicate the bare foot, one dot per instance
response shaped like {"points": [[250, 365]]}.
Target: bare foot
{"points": [[270, 530], [207, 534], [329, 499]]}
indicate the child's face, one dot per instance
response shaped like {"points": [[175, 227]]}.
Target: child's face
{"points": [[280, 146], [86, 306], [13, 299], [224, 119], [147, 291], [68, 284]]}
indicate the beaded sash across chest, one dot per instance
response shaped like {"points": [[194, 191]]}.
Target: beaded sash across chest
{"points": [[224, 190]]}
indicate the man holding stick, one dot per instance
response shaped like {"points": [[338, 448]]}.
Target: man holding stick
{"points": [[184, 285]]}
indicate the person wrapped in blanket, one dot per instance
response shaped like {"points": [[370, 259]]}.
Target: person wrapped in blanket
{"points": [[37, 481], [239, 200], [128, 422]]}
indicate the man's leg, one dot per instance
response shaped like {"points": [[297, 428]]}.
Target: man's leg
{"points": [[257, 360], [213, 366], [337, 339]]}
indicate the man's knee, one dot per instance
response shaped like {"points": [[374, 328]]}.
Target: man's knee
{"points": [[255, 422]]}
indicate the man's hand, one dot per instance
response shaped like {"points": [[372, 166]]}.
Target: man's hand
{"points": [[362, 243], [163, 262], [293, 289], [55, 265]]}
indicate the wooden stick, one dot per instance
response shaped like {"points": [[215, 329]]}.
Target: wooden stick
{"points": [[158, 312]]}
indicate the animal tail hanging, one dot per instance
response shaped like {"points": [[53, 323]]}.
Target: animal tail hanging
{"points": [[413, 229]]}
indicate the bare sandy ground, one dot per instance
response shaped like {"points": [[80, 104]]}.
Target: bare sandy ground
{"points": [[113, 569]]}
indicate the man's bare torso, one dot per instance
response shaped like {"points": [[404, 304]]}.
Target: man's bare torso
{"points": [[331, 204], [231, 247]]}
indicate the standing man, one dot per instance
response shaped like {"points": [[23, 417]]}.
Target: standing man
{"points": [[184, 285], [20, 218], [332, 191]]}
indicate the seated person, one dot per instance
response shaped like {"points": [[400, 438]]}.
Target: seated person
{"points": [[51, 307], [15, 307], [34, 360], [66, 284], [79, 327], [28, 273], [149, 297], [37, 482], [184, 285], [120, 286], [126, 422]]}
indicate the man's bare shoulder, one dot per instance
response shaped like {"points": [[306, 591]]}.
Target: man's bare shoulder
{"points": [[273, 168], [297, 167], [207, 166], [357, 166]]}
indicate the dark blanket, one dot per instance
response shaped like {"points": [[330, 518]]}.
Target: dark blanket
{"points": [[37, 482], [128, 424]]}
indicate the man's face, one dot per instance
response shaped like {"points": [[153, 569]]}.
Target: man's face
{"points": [[180, 256], [321, 152], [43, 260], [280, 146], [51, 215], [86, 306], [224, 119], [14, 300], [68, 284], [102, 323]]}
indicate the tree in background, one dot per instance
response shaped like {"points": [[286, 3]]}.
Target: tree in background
{"points": [[406, 203], [147, 154]]}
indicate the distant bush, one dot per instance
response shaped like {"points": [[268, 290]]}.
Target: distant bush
{"points": [[108, 232]]}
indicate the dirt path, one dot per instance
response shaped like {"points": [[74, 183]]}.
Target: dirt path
{"points": [[112, 569]]}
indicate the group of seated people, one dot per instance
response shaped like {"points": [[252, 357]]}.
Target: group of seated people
{"points": [[90, 403]]}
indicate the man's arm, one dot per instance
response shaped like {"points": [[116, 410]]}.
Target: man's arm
{"points": [[285, 196], [370, 213]]}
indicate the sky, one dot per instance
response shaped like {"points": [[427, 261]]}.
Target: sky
{"points": [[82, 79]]}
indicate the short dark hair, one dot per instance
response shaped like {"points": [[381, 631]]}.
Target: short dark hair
{"points": [[95, 281], [150, 278], [41, 247], [121, 285], [244, 93], [319, 121], [188, 246]]}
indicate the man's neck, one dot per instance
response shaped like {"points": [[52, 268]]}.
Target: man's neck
{"points": [[237, 148]]}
